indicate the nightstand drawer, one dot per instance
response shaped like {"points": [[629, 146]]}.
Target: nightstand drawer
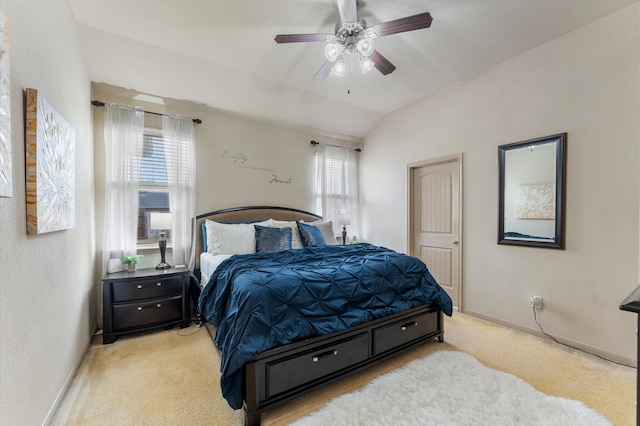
{"points": [[147, 289], [404, 331], [147, 313]]}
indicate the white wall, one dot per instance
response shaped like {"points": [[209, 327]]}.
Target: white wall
{"points": [[587, 84], [47, 305]]}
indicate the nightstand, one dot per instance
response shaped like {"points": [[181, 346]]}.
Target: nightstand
{"points": [[144, 299]]}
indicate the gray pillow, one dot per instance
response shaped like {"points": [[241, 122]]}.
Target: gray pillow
{"points": [[327, 231]]}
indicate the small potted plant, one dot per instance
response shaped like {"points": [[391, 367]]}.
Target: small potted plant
{"points": [[131, 261]]}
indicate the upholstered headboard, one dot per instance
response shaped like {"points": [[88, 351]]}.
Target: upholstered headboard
{"points": [[247, 214]]}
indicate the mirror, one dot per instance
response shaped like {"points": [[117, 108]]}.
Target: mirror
{"points": [[531, 192]]}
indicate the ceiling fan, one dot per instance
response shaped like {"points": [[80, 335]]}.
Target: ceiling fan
{"points": [[353, 36]]}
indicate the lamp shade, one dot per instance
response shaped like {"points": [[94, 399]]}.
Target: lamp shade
{"points": [[160, 221], [344, 218]]}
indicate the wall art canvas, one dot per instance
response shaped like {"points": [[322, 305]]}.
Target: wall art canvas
{"points": [[50, 167], [6, 180], [536, 201]]}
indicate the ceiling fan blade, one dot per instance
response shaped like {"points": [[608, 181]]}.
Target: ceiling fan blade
{"points": [[410, 23], [381, 63], [298, 38], [348, 10], [325, 70]]}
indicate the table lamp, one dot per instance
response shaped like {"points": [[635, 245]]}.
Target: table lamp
{"points": [[344, 219], [161, 221]]}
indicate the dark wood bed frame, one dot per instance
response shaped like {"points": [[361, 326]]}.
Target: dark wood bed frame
{"points": [[281, 374]]}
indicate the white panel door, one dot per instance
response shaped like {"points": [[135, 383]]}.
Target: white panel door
{"points": [[435, 223]]}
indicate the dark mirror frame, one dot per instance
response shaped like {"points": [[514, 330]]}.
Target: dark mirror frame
{"points": [[560, 166]]}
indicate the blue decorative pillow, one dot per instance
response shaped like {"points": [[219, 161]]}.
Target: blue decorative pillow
{"points": [[311, 235], [204, 236], [269, 240]]}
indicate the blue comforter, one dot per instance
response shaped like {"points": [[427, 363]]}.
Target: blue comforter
{"points": [[264, 300]]}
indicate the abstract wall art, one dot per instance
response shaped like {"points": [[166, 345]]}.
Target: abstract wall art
{"points": [[536, 201], [50, 167], [6, 180]]}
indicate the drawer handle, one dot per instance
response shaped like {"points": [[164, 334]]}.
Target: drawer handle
{"points": [[157, 285], [157, 305], [409, 324], [332, 352]]}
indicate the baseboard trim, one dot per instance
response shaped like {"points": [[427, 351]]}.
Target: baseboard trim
{"points": [[67, 383], [631, 362]]}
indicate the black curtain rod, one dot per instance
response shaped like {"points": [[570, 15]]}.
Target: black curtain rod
{"points": [[101, 104], [316, 143]]}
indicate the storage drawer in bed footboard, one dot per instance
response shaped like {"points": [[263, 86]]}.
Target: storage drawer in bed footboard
{"points": [[286, 374], [404, 331]]}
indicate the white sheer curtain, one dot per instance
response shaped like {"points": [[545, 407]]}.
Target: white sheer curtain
{"points": [[123, 142], [179, 149], [337, 187]]}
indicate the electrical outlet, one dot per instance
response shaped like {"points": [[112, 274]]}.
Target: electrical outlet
{"points": [[536, 301]]}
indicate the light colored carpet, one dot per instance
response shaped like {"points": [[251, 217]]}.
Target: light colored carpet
{"points": [[172, 377], [450, 388]]}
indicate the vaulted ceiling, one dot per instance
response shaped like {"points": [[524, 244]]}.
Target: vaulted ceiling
{"points": [[222, 53]]}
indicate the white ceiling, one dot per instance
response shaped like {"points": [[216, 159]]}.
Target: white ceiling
{"points": [[221, 53]]}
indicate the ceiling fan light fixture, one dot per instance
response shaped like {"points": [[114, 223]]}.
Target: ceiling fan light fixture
{"points": [[366, 46], [366, 64], [339, 68], [333, 51], [352, 35]]}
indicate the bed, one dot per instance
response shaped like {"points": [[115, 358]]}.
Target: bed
{"points": [[292, 309]]}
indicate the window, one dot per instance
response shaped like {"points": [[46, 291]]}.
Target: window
{"points": [[167, 160], [333, 185], [336, 187], [154, 190]]}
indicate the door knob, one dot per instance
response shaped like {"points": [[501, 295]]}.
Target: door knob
{"points": [[455, 242]]}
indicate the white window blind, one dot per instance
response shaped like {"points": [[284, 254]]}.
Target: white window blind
{"points": [[153, 168], [336, 173], [154, 190]]}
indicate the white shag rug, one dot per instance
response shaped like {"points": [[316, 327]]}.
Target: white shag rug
{"points": [[451, 388]]}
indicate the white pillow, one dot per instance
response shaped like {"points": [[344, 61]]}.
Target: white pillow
{"points": [[231, 238], [327, 231], [296, 242]]}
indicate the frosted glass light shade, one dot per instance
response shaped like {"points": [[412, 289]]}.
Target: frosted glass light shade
{"points": [[365, 64], [339, 68], [366, 46], [333, 50]]}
